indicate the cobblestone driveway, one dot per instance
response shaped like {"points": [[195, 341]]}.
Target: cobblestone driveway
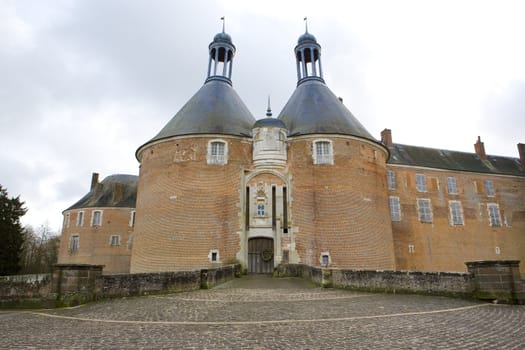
{"points": [[265, 313]]}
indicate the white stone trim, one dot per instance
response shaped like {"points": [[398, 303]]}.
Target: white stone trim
{"points": [[217, 256], [497, 215], [451, 214], [75, 246], [81, 216], [67, 219], [323, 255], [326, 159], [132, 218], [217, 159], [93, 217], [419, 207], [117, 240], [392, 212]]}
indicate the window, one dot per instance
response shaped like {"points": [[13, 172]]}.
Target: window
{"points": [[132, 218], [421, 183], [325, 258], [456, 214], [214, 256], [391, 179], [452, 185], [322, 153], [411, 249], [80, 218], [260, 209], [217, 152], [96, 218], [73, 243], [424, 210], [395, 209], [494, 216], [67, 220], [497, 250], [114, 240], [489, 188]]}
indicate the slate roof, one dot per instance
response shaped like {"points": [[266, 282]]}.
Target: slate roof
{"points": [[269, 122], [314, 109], [105, 193], [215, 109], [453, 160]]}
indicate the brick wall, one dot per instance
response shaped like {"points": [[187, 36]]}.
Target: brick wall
{"points": [[340, 209], [441, 246], [185, 207], [94, 241]]}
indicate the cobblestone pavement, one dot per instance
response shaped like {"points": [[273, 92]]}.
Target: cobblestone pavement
{"points": [[264, 313]]}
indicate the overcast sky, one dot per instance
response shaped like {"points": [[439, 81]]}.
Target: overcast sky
{"points": [[84, 83]]}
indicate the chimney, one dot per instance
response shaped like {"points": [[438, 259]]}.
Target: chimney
{"points": [[118, 193], [386, 138], [94, 181], [479, 147], [521, 150]]}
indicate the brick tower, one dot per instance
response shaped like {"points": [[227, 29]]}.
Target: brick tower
{"points": [[189, 187], [339, 210]]}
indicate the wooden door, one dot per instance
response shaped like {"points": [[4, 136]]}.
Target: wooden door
{"points": [[260, 255]]}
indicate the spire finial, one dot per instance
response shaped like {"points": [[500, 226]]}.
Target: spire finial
{"points": [[306, 24], [269, 110], [223, 22]]}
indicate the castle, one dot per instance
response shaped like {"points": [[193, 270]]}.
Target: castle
{"points": [[311, 186]]}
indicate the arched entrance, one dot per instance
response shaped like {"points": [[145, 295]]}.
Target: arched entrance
{"points": [[260, 255]]}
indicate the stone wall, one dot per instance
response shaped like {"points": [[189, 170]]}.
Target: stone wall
{"points": [[126, 285], [25, 291], [497, 280], [209, 278], [72, 285], [431, 283]]}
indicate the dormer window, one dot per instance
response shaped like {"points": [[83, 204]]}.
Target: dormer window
{"points": [[217, 152], [322, 152]]}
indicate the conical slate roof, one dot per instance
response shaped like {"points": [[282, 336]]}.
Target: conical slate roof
{"points": [[214, 109], [314, 109]]}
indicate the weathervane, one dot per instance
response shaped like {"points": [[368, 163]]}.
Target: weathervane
{"points": [[223, 21], [306, 24]]}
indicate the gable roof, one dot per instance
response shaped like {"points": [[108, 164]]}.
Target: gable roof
{"points": [[453, 160], [114, 191]]}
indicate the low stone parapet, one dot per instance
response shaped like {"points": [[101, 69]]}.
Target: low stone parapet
{"points": [[74, 284], [497, 280], [26, 291], [431, 283], [127, 285]]}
